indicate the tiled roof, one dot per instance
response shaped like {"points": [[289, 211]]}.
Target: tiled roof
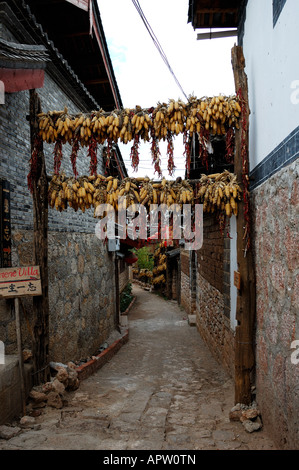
{"points": [[15, 55], [56, 57]]}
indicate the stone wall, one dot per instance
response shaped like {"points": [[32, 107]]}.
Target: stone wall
{"points": [[212, 294], [81, 272], [81, 295], [123, 275], [185, 282], [276, 241], [188, 282]]}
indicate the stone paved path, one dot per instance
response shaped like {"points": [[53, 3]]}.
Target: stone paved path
{"points": [[162, 391]]}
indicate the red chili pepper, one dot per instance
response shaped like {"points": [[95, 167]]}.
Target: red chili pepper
{"points": [[203, 149], [92, 152], [135, 153], [34, 163], [74, 154], [57, 156], [171, 165], [230, 145], [108, 153], [156, 154], [187, 153]]}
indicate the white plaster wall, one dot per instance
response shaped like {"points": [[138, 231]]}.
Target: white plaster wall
{"points": [[272, 67]]}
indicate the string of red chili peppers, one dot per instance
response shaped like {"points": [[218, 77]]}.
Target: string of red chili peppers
{"points": [[245, 178], [230, 145], [134, 155], [57, 156], [156, 154], [74, 155], [108, 154], [92, 153], [187, 153], [203, 148], [171, 166], [34, 163], [223, 222]]}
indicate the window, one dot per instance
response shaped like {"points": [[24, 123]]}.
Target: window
{"points": [[277, 9]]}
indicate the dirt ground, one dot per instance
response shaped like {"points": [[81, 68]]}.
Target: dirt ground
{"points": [[163, 390]]}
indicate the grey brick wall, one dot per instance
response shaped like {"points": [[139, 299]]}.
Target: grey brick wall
{"points": [[81, 271], [15, 152], [15, 155]]}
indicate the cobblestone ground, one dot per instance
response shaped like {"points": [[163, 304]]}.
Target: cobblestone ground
{"points": [[163, 390]]}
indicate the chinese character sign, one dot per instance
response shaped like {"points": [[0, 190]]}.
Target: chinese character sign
{"points": [[21, 281]]}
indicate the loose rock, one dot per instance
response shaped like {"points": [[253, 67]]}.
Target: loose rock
{"points": [[249, 414], [54, 400], [252, 426], [27, 421], [235, 415], [37, 397], [58, 386], [47, 387], [62, 376], [73, 381], [7, 432]]}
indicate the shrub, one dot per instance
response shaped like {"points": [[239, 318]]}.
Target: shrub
{"points": [[126, 297]]}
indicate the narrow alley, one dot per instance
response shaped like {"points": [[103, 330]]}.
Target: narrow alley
{"points": [[162, 391]]}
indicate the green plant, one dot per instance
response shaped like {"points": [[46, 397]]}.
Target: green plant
{"points": [[126, 297], [145, 259]]}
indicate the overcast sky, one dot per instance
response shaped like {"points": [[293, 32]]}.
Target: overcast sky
{"points": [[203, 68]]}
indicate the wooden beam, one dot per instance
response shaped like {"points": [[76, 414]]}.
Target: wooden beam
{"points": [[40, 241], [216, 10], [74, 34], [96, 81], [20, 355], [245, 315]]}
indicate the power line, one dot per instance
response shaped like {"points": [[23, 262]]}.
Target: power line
{"points": [[157, 44]]}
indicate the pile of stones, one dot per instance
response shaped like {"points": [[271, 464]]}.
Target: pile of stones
{"points": [[249, 416], [64, 378]]}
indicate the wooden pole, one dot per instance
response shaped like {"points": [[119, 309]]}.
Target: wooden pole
{"points": [[245, 315], [20, 355], [40, 221], [117, 294]]}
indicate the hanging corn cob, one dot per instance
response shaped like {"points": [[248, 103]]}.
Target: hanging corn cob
{"points": [[219, 192], [216, 114], [159, 271]]}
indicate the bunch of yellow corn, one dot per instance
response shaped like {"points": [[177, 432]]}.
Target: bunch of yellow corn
{"points": [[128, 194], [160, 265], [220, 191], [216, 114], [159, 280], [82, 193]]}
